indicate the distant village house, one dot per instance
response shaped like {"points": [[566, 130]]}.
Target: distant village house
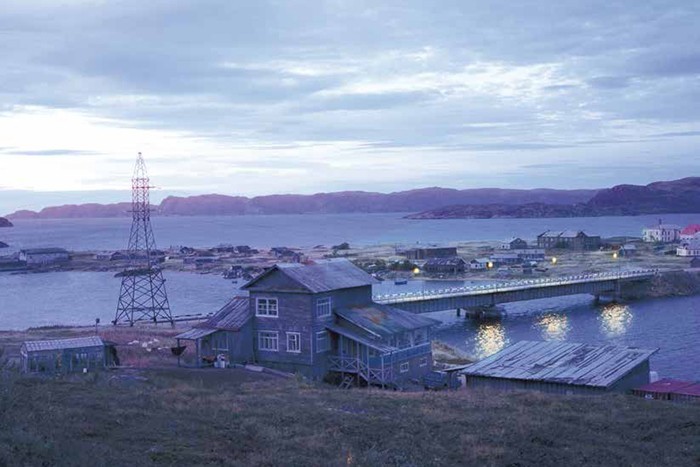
{"points": [[454, 265], [568, 239], [514, 244], [428, 253], [661, 233], [44, 256]]}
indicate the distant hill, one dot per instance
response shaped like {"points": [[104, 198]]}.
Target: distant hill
{"points": [[339, 202], [677, 196], [5, 223]]}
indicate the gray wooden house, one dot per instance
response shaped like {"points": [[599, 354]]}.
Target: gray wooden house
{"points": [[562, 367], [65, 355], [228, 332], [319, 319]]}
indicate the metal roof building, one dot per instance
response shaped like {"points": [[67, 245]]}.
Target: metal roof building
{"points": [[562, 367], [64, 355]]}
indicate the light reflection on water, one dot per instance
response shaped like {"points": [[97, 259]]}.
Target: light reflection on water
{"points": [[553, 326], [490, 338], [615, 320]]}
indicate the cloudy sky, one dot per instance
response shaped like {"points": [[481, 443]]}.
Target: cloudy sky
{"points": [[258, 97]]}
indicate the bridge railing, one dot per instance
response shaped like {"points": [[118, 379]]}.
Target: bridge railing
{"points": [[509, 286]]}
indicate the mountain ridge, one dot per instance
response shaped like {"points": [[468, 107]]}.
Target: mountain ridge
{"points": [[320, 203]]}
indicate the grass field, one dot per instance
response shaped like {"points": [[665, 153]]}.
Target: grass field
{"points": [[237, 417]]}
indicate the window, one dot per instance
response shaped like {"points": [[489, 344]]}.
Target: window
{"points": [[266, 307], [323, 307], [219, 342], [293, 342], [268, 340], [423, 361], [322, 342], [420, 337], [404, 341], [404, 367]]}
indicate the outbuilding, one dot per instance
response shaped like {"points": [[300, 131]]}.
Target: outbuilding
{"points": [[66, 355], [562, 367], [44, 256]]}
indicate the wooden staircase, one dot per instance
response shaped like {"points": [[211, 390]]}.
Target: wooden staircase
{"points": [[348, 382]]}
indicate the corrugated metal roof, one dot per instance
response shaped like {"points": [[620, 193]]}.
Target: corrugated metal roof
{"points": [[383, 320], [231, 317], [561, 362], [359, 336], [195, 333], [692, 390], [322, 275], [454, 261], [44, 251], [60, 344]]}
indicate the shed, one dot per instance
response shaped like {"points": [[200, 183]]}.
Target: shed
{"points": [[65, 355], [227, 333], [44, 256], [562, 367]]}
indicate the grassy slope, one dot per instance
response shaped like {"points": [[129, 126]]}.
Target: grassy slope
{"points": [[235, 417]]}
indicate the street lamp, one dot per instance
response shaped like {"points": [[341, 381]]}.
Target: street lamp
{"points": [[554, 260]]}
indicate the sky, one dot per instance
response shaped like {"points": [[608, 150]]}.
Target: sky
{"points": [[261, 97]]}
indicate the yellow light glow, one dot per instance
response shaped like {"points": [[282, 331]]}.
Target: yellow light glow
{"points": [[553, 326], [490, 338], [554, 260], [489, 265], [615, 320], [416, 270], [615, 255]]}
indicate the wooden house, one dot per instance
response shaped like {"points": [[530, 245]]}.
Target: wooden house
{"points": [[559, 367], [319, 319], [66, 355], [433, 252], [568, 239]]}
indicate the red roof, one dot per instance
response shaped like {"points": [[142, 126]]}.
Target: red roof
{"points": [[692, 229], [692, 390], [667, 385]]}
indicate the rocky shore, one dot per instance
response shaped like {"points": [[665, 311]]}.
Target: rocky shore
{"points": [[666, 284]]}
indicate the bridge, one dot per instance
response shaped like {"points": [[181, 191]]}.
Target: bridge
{"points": [[489, 295]]}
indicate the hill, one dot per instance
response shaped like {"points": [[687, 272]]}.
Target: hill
{"points": [[5, 223], [320, 203], [237, 417], [677, 196]]}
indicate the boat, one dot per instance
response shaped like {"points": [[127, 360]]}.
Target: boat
{"points": [[400, 281]]}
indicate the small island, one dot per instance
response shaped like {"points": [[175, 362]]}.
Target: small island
{"points": [[5, 223]]}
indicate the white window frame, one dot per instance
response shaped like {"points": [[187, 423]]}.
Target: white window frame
{"points": [[326, 347], [325, 303], [423, 361], [297, 336], [263, 308], [274, 336], [404, 367]]}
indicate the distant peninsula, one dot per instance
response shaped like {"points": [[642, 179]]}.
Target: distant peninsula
{"points": [[5, 223], [320, 203], [678, 196]]}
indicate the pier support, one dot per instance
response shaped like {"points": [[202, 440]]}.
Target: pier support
{"points": [[459, 312]]}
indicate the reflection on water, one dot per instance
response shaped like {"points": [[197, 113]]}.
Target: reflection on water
{"points": [[553, 326], [615, 320], [490, 338]]}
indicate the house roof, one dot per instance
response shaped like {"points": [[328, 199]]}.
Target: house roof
{"points": [[44, 251], [195, 333], [360, 336], [664, 227], [453, 261], [383, 320], [321, 275], [692, 229], [561, 362], [61, 344], [231, 317]]}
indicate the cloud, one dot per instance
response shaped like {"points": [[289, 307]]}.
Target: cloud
{"points": [[264, 96]]}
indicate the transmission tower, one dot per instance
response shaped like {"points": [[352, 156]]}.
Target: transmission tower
{"points": [[142, 296]]}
